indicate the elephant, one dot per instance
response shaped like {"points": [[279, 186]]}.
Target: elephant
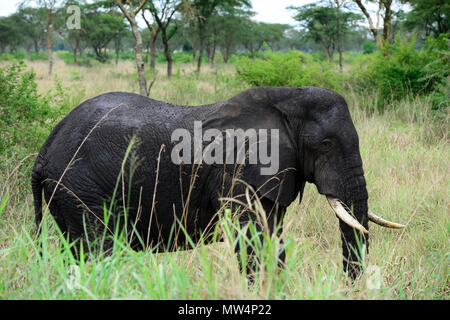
{"points": [[114, 153]]}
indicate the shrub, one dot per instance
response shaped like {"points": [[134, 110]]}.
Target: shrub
{"points": [[20, 104], [38, 56], [369, 47], [293, 69], [128, 55], [399, 70], [178, 57], [87, 59], [16, 55]]}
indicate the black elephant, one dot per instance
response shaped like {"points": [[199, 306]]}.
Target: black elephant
{"points": [[114, 153]]}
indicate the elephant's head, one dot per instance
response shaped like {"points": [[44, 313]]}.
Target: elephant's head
{"points": [[318, 139]]}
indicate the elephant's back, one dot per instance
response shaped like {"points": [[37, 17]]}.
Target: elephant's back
{"points": [[126, 107]]}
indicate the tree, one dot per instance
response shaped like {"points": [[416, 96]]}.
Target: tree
{"points": [[339, 4], [100, 28], [254, 37], [202, 12], [318, 22], [118, 41], [50, 6], [153, 30], [431, 15], [385, 11], [273, 34], [32, 24], [10, 35], [72, 37], [231, 27], [130, 9], [162, 12]]}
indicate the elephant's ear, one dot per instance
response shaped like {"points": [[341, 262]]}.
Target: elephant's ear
{"points": [[276, 176]]}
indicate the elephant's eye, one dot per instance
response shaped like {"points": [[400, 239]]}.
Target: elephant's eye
{"points": [[326, 145]]}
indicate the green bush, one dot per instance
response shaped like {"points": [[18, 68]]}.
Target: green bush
{"points": [[369, 47], [399, 71], [128, 55], [181, 57], [319, 56], [293, 69], [38, 56], [20, 105], [87, 59], [16, 55]]}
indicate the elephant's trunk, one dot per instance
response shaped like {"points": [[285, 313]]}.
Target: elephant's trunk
{"points": [[355, 244]]}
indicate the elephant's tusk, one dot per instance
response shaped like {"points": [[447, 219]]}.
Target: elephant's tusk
{"points": [[380, 221], [344, 215]]}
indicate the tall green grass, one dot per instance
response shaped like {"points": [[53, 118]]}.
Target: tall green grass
{"points": [[404, 150]]}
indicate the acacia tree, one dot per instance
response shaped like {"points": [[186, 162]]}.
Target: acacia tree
{"points": [[316, 21], [130, 9], [202, 12], [384, 11], [10, 34], [32, 23], [100, 28], [253, 39], [50, 6], [431, 15], [231, 31], [71, 36], [153, 30], [162, 12], [338, 4]]}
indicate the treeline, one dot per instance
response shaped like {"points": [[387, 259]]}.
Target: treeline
{"points": [[106, 29]]}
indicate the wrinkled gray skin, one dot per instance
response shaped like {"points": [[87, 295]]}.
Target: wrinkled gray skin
{"points": [[318, 144]]}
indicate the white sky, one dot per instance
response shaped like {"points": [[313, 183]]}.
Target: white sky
{"points": [[7, 7], [273, 11]]}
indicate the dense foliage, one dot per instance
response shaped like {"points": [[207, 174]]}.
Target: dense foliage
{"points": [[400, 70], [293, 68], [20, 105]]}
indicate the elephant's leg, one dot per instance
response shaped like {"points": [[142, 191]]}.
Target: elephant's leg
{"points": [[253, 239], [80, 225], [354, 248]]}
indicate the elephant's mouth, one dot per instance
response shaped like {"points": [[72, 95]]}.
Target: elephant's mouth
{"points": [[344, 215]]}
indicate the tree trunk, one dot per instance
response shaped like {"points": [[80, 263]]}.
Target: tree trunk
{"points": [[328, 51], [131, 17], [167, 52], [226, 53], [49, 41], [339, 35], [139, 62], [75, 50], [372, 28], [200, 46], [199, 60], [152, 52], [212, 53], [387, 19], [36, 45]]}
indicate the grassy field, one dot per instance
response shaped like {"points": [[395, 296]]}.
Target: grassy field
{"points": [[405, 157]]}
